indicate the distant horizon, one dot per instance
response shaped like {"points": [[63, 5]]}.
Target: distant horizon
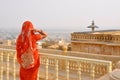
{"points": [[61, 29], [52, 33]]}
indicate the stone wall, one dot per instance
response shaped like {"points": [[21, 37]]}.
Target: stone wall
{"points": [[96, 48]]}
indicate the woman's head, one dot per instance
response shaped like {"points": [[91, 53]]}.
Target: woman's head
{"points": [[27, 25]]}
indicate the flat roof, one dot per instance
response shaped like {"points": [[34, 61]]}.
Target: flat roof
{"points": [[111, 32]]}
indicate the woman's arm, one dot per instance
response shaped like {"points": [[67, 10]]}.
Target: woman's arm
{"points": [[43, 34]]}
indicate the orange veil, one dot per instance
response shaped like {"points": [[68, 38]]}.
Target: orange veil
{"points": [[24, 41]]}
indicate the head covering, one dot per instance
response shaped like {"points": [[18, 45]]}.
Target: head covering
{"points": [[24, 40]]}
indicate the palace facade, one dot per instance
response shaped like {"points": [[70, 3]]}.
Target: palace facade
{"points": [[105, 42]]}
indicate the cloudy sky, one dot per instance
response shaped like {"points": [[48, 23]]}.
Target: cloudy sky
{"points": [[61, 14]]}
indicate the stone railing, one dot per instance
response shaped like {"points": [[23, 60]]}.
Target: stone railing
{"points": [[95, 37], [9, 69]]}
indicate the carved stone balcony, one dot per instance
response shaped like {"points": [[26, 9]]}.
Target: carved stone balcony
{"points": [[55, 67]]}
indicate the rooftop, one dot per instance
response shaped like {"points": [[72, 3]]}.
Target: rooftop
{"points": [[111, 32]]}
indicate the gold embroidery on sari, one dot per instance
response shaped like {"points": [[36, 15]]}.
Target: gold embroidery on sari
{"points": [[28, 59]]}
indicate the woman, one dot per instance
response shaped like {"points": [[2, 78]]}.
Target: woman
{"points": [[27, 52]]}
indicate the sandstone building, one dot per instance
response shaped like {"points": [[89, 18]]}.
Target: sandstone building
{"points": [[105, 42], [98, 42]]}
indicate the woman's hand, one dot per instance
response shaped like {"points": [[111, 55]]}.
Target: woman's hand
{"points": [[37, 30], [43, 34]]}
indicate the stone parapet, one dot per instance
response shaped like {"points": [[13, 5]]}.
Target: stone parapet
{"points": [[94, 67], [95, 37]]}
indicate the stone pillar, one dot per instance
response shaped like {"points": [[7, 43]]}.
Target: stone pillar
{"points": [[64, 53], [8, 59], [1, 65], [92, 72], [67, 69], [46, 67], [56, 69], [14, 66]]}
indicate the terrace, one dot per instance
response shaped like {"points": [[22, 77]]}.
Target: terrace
{"points": [[55, 67]]}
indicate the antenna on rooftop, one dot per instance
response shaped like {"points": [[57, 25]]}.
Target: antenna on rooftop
{"points": [[92, 26]]}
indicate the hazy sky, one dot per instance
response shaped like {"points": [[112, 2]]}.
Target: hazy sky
{"points": [[62, 14]]}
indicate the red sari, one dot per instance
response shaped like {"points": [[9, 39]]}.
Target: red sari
{"points": [[23, 43]]}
